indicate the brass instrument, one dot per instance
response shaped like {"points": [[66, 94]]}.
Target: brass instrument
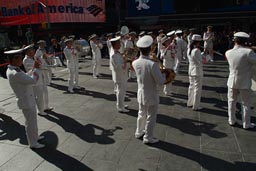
{"points": [[130, 54], [169, 73]]}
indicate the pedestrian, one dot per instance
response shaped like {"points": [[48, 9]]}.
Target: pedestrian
{"points": [[149, 77], [72, 64], [119, 75], [208, 42], [21, 83], [195, 72], [241, 61]]}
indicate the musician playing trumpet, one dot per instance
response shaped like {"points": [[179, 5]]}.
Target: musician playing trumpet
{"points": [[168, 56], [96, 47], [148, 77]]}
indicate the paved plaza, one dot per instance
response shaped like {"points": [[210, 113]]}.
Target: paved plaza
{"points": [[85, 131]]}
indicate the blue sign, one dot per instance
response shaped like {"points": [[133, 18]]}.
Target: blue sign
{"points": [[167, 6]]}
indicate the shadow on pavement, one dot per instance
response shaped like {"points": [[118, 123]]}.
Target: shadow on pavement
{"points": [[84, 132], [58, 158], [206, 161], [12, 130]]}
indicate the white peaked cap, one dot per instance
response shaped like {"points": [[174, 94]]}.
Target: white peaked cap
{"points": [[171, 33], [178, 32], [242, 34], [197, 37], [68, 40], [145, 42], [28, 47], [13, 52], [115, 39]]}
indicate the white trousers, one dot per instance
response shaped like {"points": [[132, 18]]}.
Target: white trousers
{"points": [[45, 96], [39, 95], [146, 121], [195, 91], [177, 62], [245, 102], [73, 78], [120, 94], [96, 66], [31, 125], [167, 88]]}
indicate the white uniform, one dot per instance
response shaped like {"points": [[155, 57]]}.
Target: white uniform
{"points": [[119, 76], [208, 42], [47, 70], [129, 44], [38, 88], [241, 61], [21, 84], [180, 48], [45, 78], [168, 56], [148, 77], [96, 58], [195, 73], [159, 44], [72, 65]]}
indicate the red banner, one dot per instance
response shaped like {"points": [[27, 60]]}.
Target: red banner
{"points": [[17, 12]]}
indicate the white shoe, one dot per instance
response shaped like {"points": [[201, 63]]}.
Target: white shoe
{"points": [[138, 136], [40, 138], [49, 109], [123, 110], [70, 91], [42, 114], [152, 141], [126, 106], [252, 125], [37, 146]]}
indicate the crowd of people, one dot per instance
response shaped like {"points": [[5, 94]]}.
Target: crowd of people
{"points": [[148, 59]]}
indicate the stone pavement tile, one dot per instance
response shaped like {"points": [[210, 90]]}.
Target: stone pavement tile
{"points": [[250, 163], [44, 124], [246, 140], [215, 126], [8, 152], [138, 156], [188, 139], [221, 161], [26, 160], [76, 146], [178, 158], [209, 113], [100, 165], [107, 152], [219, 141]]}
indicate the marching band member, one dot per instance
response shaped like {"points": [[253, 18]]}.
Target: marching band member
{"points": [[167, 55], [119, 75], [38, 88], [21, 83], [148, 77], [109, 37], [241, 61], [41, 51], [96, 46], [42, 57], [208, 41], [180, 48], [72, 64], [158, 39], [195, 73]]}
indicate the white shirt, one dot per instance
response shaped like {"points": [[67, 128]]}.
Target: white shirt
{"points": [[195, 63], [241, 61], [148, 77]]}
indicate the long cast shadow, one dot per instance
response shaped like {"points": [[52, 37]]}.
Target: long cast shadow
{"points": [[58, 158], [84, 132], [206, 161], [12, 130], [188, 126], [83, 91]]}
